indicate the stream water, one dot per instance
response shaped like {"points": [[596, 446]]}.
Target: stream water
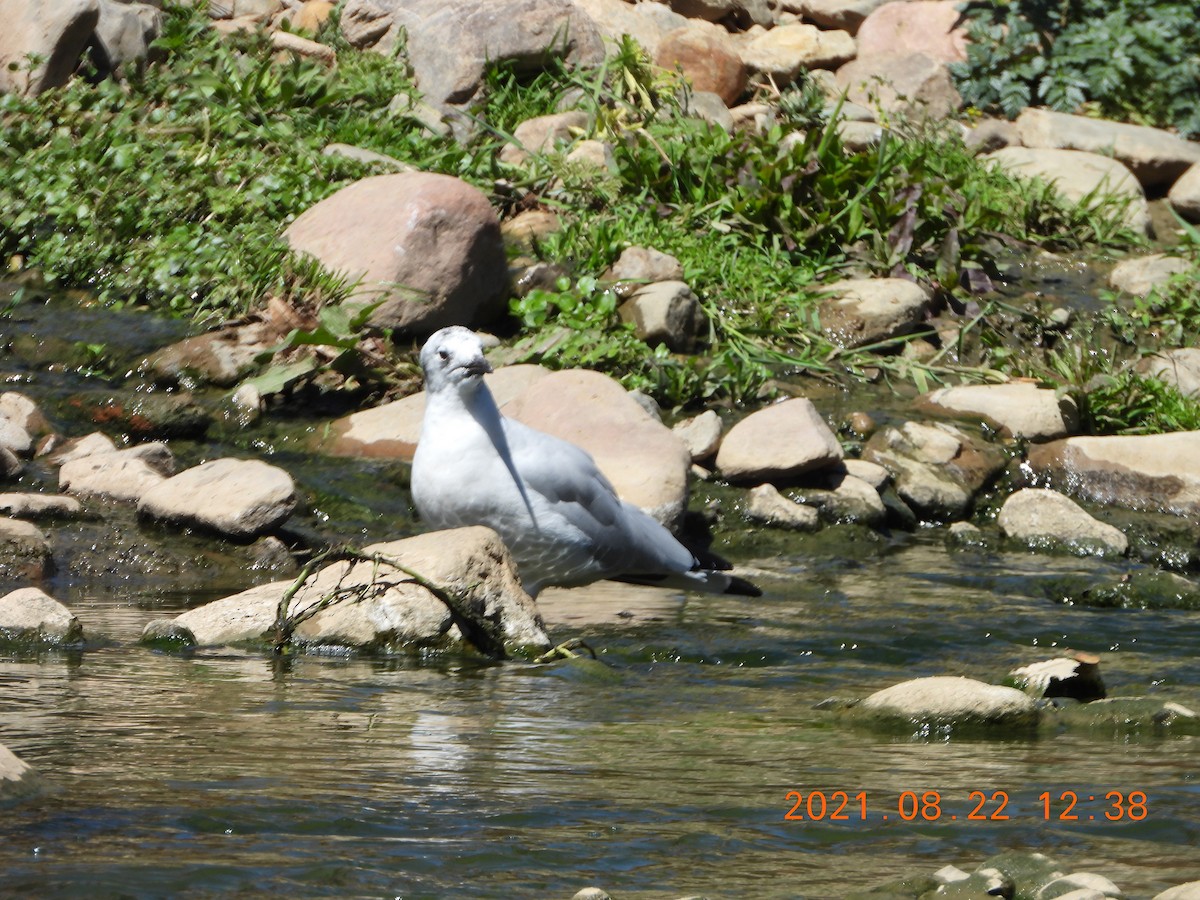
{"points": [[660, 771]]}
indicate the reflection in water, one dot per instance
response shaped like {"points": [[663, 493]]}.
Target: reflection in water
{"points": [[662, 773]]}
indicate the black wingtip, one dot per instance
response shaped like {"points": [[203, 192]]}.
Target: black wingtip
{"points": [[742, 587]]}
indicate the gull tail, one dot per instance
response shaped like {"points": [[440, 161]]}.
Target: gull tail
{"points": [[705, 581]]}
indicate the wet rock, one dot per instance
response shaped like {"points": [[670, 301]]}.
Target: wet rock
{"points": [[31, 617], [84, 446], [1079, 176], [54, 34], [39, 506], [15, 439], [868, 310], [395, 614], [1027, 871], [1019, 409], [778, 443], [666, 312], [847, 500], [426, 247], [979, 885], [1184, 195], [906, 84], [1189, 891], [1142, 274], [1126, 716], [1076, 676], [700, 434], [17, 778], [1156, 157], [24, 550], [221, 357], [766, 505], [932, 27], [784, 52], [239, 498], [542, 134], [591, 893], [950, 700], [1086, 884], [1159, 473], [707, 56], [647, 23], [1141, 589], [1047, 519], [155, 416], [119, 475], [1178, 368]]}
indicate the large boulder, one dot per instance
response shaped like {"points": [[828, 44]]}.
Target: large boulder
{"points": [[1156, 472], [237, 498], [1045, 518], [950, 701], [31, 616], [54, 35], [426, 247], [778, 443], [390, 612]]}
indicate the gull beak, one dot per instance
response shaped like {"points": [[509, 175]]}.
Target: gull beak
{"points": [[478, 366]]}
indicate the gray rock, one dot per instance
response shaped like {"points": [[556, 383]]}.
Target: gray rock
{"points": [[125, 32], [1184, 195], [17, 778], [666, 312], [38, 506], [872, 473], [1142, 274], [644, 265], [119, 475], [1045, 518], [950, 700], [912, 85], [24, 550], [700, 434], [1080, 886], [1158, 473], [744, 12], [1156, 157], [395, 614], [778, 443], [84, 446], [1078, 176], [766, 505], [56, 34], [848, 500], [864, 311], [844, 14], [234, 497], [30, 616], [1019, 409], [591, 893], [1178, 368], [370, 157], [935, 28], [15, 439], [426, 247]]}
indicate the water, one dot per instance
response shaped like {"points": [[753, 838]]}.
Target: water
{"points": [[661, 771]]}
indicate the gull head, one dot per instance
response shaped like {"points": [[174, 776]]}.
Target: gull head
{"points": [[453, 358]]}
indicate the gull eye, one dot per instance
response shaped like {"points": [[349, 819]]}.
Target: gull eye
{"points": [[443, 355]]}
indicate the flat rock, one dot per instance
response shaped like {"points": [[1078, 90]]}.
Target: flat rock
{"points": [[426, 247], [39, 506], [700, 434], [933, 27], [118, 475], [778, 443], [17, 778], [77, 448], [1019, 409], [541, 134], [1156, 473], [952, 700], [1041, 517], [1184, 195], [395, 615], [1142, 274], [707, 56], [30, 616], [239, 498], [645, 265], [1178, 368], [787, 50], [767, 505], [864, 311], [1156, 157], [1078, 175], [907, 84]]}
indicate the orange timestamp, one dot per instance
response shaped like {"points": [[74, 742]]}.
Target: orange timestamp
{"points": [[978, 806]]}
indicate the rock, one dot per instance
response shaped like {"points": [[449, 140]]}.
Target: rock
{"points": [[863, 311], [309, 16], [645, 462], [1076, 676], [935, 28], [24, 550], [912, 85], [15, 439], [1079, 176], [1028, 871], [1019, 409], [220, 357], [1184, 195], [647, 23], [1142, 274], [1127, 716], [10, 464], [990, 135], [700, 434], [396, 615], [872, 473], [1044, 518], [591, 893], [56, 34], [302, 46], [527, 228], [741, 12], [1189, 891], [707, 57], [84, 446], [124, 33], [666, 312], [766, 505], [361, 154], [778, 443], [30, 616], [119, 475], [154, 415], [1178, 368], [954, 701], [784, 52], [542, 134], [1157, 473], [593, 157], [17, 779], [848, 500], [1079, 886], [708, 107], [38, 506], [238, 498], [844, 14], [23, 412], [426, 247], [1155, 157], [644, 265]]}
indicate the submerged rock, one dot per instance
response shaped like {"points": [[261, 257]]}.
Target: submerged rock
{"points": [[32, 617], [1047, 519], [947, 701], [1121, 716], [239, 498], [17, 778]]}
